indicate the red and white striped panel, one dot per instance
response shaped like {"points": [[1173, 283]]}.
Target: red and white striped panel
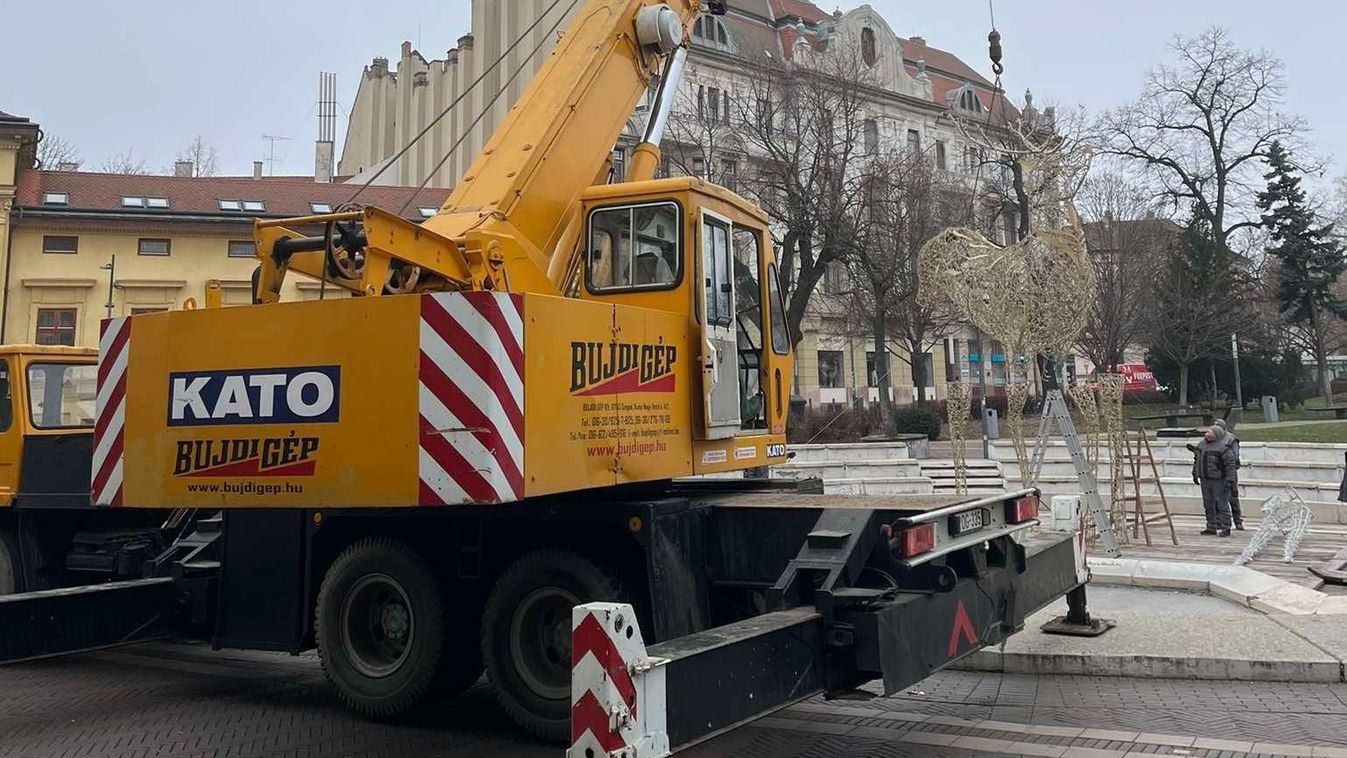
{"points": [[114, 346], [618, 696], [471, 398]]}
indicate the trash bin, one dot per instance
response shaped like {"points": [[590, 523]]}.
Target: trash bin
{"points": [[1269, 408], [991, 423]]}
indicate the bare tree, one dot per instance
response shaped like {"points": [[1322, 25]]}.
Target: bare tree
{"points": [[804, 123], [124, 163], [1127, 243], [201, 155], [907, 202], [54, 152], [1202, 126]]}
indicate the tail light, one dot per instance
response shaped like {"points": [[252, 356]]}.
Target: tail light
{"points": [[916, 540], [1022, 509]]}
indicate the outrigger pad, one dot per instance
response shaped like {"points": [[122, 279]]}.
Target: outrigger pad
{"points": [[1092, 627]]}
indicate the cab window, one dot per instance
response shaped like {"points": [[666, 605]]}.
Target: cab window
{"points": [[62, 395], [634, 248], [780, 332], [6, 398]]}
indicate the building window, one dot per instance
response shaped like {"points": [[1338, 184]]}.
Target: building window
{"points": [[914, 140], [969, 101], [56, 326], [231, 205], [871, 135], [699, 168], [765, 116], [153, 247], [835, 279], [156, 202], [55, 198], [60, 244], [923, 370], [133, 202], [725, 111], [869, 51], [729, 173], [320, 207], [619, 164], [254, 206], [242, 249], [941, 159], [830, 369], [1009, 227]]}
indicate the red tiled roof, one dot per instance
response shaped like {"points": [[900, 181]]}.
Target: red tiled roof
{"points": [[201, 195]]}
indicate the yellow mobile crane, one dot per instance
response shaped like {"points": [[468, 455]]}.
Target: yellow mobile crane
{"points": [[424, 480]]}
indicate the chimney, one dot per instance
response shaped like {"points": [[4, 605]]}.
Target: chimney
{"points": [[917, 41], [67, 166], [379, 68], [257, 169], [184, 169]]}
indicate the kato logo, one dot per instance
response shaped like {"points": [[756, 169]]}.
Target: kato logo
{"points": [[262, 396], [616, 368], [249, 457]]}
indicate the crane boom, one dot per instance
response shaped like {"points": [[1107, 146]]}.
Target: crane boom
{"points": [[502, 224]]}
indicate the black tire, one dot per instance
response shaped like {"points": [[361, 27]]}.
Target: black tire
{"points": [[526, 636], [461, 665], [10, 576], [380, 627]]}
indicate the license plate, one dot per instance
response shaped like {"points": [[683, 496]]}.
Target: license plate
{"points": [[968, 521]]}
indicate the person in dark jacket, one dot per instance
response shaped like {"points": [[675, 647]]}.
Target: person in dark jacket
{"points": [[1213, 466], [1235, 513]]}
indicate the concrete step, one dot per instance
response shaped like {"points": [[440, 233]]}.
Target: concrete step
{"points": [[849, 451], [892, 485], [1306, 452], [900, 467], [1280, 471]]}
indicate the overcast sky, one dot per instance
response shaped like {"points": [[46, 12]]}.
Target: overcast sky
{"points": [[150, 75]]}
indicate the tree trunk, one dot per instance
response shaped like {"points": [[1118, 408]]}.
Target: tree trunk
{"points": [[882, 380], [1211, 367], [1321, 357], [1183, 384]]}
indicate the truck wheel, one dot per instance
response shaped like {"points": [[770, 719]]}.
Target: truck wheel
{"points": [[9, 564], [380, 627], [526, 636]]}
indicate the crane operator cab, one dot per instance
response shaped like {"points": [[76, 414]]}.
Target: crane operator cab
{"points": [[686, 246]]}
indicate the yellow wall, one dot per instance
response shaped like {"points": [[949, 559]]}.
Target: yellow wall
{"points": [[44, 280]]}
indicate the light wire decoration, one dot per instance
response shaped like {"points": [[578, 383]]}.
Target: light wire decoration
{"points": [[1285, 514], [958, 403]]}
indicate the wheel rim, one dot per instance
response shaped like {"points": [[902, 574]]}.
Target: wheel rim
{"points": [[540, 641], [378, 625]]}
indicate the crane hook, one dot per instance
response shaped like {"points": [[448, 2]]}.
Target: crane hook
{"points": [[994, 51]]}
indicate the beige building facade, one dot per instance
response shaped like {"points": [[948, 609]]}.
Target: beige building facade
{"points": [[79, 246], [915, 87]]}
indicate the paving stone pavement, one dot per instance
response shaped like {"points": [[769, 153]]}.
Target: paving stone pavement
{"points": [[186, 702]]}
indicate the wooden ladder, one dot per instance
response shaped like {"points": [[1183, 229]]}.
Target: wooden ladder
{"points": [[1133, 458]]}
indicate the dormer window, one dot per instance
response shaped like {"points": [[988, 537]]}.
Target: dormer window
{"points": [[968, 100], [710, 31], [869, 48]]}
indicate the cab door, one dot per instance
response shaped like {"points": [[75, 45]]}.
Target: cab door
{"points": [[11, 433], [719, 351]]}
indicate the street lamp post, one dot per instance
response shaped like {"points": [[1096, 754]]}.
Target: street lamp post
{"points": [[111, 268], [1234, 352]]}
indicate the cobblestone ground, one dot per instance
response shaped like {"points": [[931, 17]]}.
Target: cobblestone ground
{"points": [[185, 701]]}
